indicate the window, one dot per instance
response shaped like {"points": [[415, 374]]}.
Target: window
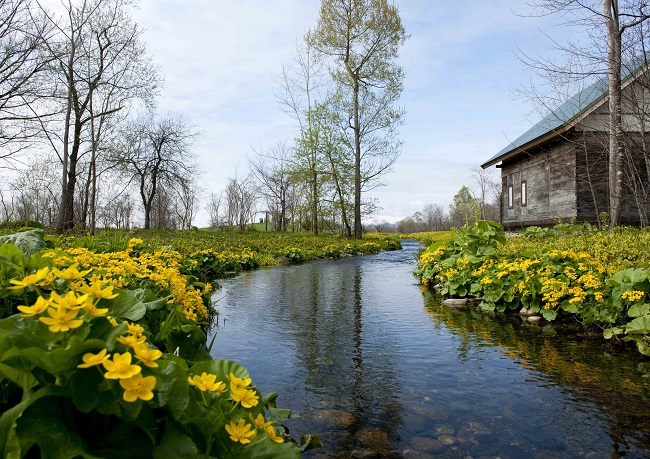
{"points": [[511, 197], [524, 193]]}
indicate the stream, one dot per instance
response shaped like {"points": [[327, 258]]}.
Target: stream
{"points": [[378, 368]]}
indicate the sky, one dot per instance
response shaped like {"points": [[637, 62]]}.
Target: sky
{"points": [[221, 60]]}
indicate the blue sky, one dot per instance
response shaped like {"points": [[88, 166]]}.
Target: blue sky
{"points": [[220, 59]]}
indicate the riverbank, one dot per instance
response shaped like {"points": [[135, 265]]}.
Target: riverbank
{"points": [[573, 272]]}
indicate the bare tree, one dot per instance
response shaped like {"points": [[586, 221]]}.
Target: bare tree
{"points": [[240, 201], [34, 194], [186, 203], [272, 170], [434, 217], [214, 207], [99, 66], [485, 185], [23, 32], [301, 84], [603, 22], [156, 153]]}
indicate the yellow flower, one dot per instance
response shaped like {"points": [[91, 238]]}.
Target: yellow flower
{"points": [[61, 320], [93, 310], [259, 421], [90, 360], [272, 434], [71, 273], [240, 432], [32, 279], [147, 356], [135, 241], [207, 382], [138, 387], [131, 340], [38, 307], [112, 321], [69, 301], [238, 381], [633, 295], [248, 398], [598, 296], [120, 367], [134, 329], [95, 290]]}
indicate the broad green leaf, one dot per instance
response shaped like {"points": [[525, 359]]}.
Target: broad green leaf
{"points": [[127, 306], [308, 442], [175, 445], [640, 325], [29, 242], [609, 332], [173, 390], [221, 368], [9, 442], [638, 310], [21, 377], [44, 424], [549, 314], [85, 389]]}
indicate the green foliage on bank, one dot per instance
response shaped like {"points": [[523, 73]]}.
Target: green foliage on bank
{"points": [[104, 354], [598, 278]]}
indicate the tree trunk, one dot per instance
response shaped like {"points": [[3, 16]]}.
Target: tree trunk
{"points": [[357, 165], [615, 128]]}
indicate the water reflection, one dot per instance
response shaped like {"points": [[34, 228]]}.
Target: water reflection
{"points": [[366, 360], [582, 365]]}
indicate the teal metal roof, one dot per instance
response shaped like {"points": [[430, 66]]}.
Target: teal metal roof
{"points": [[563, 115]]}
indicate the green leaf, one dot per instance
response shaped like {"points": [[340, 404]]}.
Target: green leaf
{"points": [[9, 443], [21, 377], [549, 314], [279, 414], [175, 444], [638, 310], [609, 332], [174, 389], [29, 242], [149, 299], [60, 360], [310, 441], [85, 389], [127, 306], [43, 424], [568, 307], [221, 368], [640, 325]]}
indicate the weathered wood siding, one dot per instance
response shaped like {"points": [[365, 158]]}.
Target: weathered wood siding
{"points": [[549, 174]]}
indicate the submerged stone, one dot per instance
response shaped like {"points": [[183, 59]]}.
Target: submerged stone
{"points": [[427, 444], [375, 438], [338, 418]]}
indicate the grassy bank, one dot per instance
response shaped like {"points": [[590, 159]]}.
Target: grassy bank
{"points": [[596, 278]]}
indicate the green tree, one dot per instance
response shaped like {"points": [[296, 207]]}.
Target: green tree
{"points": [[364, 36], [465, 209]]}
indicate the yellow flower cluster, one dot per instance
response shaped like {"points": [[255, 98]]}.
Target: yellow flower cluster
{"points": [[119, 269], [242, 393], [119, 367], [65, 312], [633, 295]]}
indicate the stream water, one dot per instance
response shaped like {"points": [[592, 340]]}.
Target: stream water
{"points": [[377, 368]]}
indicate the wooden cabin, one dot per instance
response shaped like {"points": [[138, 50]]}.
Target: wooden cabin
{"points": [[557, 171]]}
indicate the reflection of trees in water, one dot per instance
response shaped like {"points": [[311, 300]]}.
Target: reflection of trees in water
{"points": [[326, 321], [607, 379]]}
